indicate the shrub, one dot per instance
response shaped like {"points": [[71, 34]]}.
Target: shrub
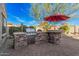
{"points": [[65, 28], [16, 29]]}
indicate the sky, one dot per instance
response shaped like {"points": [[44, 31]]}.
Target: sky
{"points": [[17, 13], [20, 12]]}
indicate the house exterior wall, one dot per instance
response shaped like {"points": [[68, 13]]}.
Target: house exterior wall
{"points": [[0, 25], [3, 36], [74, 29]]}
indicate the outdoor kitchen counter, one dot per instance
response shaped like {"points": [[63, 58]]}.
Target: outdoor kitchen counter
{"points": [[22, 39], [54, 36]]}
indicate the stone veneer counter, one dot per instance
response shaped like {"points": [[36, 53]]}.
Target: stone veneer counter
{"points": [[20, 40], [54, 36], [23, 39]]}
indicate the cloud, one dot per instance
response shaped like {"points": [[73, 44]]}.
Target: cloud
{"points": [[32, 22], [71, 15], [18, 19]]}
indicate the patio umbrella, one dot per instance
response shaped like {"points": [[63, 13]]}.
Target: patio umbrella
{"points": [[56, 18]]}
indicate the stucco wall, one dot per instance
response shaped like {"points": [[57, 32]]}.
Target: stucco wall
{"points": [[2, 10], [0, 23], [74, 29]]}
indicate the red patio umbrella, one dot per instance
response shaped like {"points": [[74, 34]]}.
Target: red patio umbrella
{"points": [[56, 18]]}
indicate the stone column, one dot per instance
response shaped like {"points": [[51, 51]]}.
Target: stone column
{"points": [[41, 37]]}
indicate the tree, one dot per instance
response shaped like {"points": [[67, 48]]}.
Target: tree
{"points": [[65, 28], [32, 27], [45, 25], [23, 27]]}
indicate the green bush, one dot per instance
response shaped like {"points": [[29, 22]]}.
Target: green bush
{"points": [[65, 28], [16, 29]]}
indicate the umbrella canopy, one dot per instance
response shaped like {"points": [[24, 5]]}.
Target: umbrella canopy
{"points": [[56, 18]]}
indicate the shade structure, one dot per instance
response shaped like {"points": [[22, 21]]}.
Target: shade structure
{"points": [[56, 18]]}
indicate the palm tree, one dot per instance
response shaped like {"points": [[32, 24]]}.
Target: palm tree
{"points": [[41, 10]]}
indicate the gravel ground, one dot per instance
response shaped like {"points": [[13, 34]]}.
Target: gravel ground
{"points": [[68, 47]]}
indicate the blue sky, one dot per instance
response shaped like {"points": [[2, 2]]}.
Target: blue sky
{"points": [[20, 12], [17, 13]]}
